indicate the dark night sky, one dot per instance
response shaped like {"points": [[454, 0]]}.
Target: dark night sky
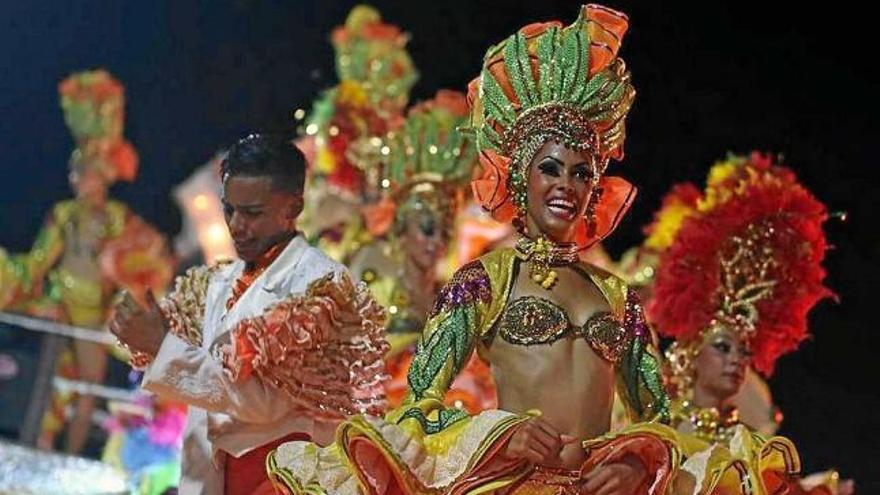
{"points": [[711, 78]]}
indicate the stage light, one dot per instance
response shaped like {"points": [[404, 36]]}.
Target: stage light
{"points": [[200, 202]]}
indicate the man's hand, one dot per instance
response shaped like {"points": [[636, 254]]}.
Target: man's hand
{"points": [[622, 477], [140, 329], [537, 442]]}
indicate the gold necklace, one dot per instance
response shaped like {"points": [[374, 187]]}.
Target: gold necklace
{"points": [[710, 424], [544, 254]]}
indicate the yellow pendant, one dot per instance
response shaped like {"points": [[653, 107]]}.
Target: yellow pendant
{"points": [[543, 276], [540, 253]]}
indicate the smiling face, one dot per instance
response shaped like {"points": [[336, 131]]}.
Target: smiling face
{"points": [[560, 182], [258, 215], [720, 367]]}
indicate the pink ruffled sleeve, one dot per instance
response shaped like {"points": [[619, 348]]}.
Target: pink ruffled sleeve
{"points": [[324, 348]]}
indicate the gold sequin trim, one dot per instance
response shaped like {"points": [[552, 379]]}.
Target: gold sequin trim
{"points": [[607, 336], [531, 320]]}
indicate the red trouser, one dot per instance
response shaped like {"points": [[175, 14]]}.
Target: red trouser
{"points": [[246, 475]]}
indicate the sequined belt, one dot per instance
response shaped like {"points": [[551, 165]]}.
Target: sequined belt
{"points": [[549, 481]]}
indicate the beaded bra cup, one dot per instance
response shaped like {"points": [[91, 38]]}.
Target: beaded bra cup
{"points": [[531, 320]]}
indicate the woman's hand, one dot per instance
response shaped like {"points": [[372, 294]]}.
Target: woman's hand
{"points": [[537, 442], [621, 477]]}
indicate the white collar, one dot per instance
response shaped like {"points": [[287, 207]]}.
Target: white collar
{"points": [[275, 273], [278, 271]]}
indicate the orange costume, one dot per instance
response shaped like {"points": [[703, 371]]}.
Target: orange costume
{"points": [[279, 350], [546, 82]]}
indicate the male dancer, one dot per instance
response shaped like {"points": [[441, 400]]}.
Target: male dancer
{"points": [[276, 345]]}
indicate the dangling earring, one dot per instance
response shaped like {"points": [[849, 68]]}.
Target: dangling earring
{"points": [[516, 185], [590, 213]]}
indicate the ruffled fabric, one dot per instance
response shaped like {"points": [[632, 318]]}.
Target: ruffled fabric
{"points": [[653, 444], [749, 465], [377, 456], [294, 466], [426, 448], [324, 348], [392, 458], [183, 309]]}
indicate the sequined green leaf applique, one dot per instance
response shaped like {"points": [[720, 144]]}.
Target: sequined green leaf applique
{"points": [[639, 370], [452, 337], [499, 107], [446, 417], [488, 138], [518, 66], [575, 56], [649, 370], [548, 67]]}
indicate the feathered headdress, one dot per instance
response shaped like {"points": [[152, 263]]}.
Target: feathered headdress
{"points": [[426, 162], [373, 54], [549, 82], [748, 259], [344, 129], [93, 103], [677, 205], [638, 264]]}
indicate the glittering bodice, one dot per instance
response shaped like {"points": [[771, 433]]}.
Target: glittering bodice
{"points": [[531, 320]]}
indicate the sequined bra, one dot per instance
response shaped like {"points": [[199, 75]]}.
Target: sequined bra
{"points": [[531, 320]]}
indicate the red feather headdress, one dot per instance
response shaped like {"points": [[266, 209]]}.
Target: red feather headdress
{"points": [[750, 259]]}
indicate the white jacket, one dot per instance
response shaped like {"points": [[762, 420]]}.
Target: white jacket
{"points": [[235, 417]]}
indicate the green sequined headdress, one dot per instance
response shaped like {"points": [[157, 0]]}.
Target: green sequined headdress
{"points": [[429, 147], [427, 161], [93, 103], [550, 82], [373, 54], [346, 124]]}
